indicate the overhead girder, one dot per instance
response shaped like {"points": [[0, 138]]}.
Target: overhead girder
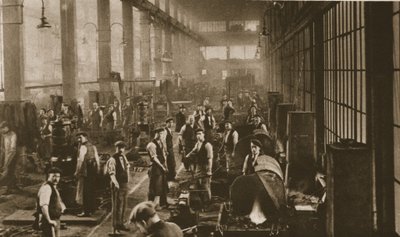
{"points": [[162, 17]]}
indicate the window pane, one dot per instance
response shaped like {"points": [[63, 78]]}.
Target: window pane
{"points": [[251, 25], [236, 52]]}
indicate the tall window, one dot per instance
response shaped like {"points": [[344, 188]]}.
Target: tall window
{"points": [[297, 71], [396, 110], [214, 52], [212, 26], [345, 72], [251, 25]]}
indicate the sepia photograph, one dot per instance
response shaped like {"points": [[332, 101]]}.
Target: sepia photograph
{"points": [[199, 118]]}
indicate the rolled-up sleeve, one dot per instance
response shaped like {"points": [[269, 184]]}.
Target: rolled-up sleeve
{"points": [[111, 166], [235, 137], [151, 148], [209, 149], [44, 195], [183, 129]]}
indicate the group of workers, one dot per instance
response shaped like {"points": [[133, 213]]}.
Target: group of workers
{"points": [[196, 147]]}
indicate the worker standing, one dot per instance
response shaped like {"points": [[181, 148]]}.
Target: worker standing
{"points": [[87, 169], [180, 118], [203, 153], [49, 206], [118, 169], [171, 164], [209, 123], [187, 140], [230, 139], [158, 185]]}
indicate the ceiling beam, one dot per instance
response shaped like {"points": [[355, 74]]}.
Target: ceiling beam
{"points": [[159, 15]]}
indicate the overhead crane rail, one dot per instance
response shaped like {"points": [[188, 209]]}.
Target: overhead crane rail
{"points": [[162, 16]]}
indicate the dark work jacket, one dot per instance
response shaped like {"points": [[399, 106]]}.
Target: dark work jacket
{"points": [[155, 168], [202, 158], [250, 168], [96, 118], [228, 112], [121, 174], [108, 118], [207, 122], [180, 121], [168, 140], [89, 165], [54, 204], [229, 143], [189, 136]]}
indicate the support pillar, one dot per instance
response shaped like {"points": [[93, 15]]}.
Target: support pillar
{"points": [[145, 44], [104, 44], [168, 40], [68, 49], [13, 50], [157, 46], [319, 86], [127, 24], [379, 65]]}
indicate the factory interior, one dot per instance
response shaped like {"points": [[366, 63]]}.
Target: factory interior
{"points": [[199, 118]]}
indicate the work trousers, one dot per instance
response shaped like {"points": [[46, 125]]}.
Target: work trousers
{"points": [[171, 164], [118, 198], [9, 177], [89, 191], [50, 230]]}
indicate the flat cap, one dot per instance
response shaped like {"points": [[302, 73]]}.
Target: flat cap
{"points": [[168, 120], [143, 211], [256, 142], [228, 121], [82, 133], [199, 130], [158, 129], [120, 144]]}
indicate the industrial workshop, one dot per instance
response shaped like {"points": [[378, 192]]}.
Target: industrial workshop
{"points": [[199, 118]]}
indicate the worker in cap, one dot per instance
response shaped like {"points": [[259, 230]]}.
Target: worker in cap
{"points": [[230, 139], [202, 154], [49, 205], [199, 116], [158, 185], [209, 123], [259, 125], [180, 118], [147, 220], [171, 164], [87, 171], [240, 100], [251, 159], [118, 170]]}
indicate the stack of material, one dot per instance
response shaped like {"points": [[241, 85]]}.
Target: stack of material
{"points": [[22, 118]]}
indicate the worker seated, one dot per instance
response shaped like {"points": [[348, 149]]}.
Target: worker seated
{"points": [[260, 192]]}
